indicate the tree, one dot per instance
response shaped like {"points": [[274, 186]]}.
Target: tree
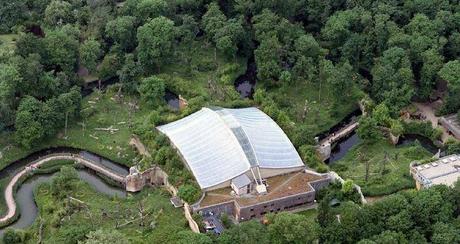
{"points": [[61, 49], [13, 13], [286, 227], [58, 13], [450, 72], [213, 20], [152, 90], [70, 104], [102, 236], [149, 9], [381, 114], [109, 66], [342, 82], [122, 31], [62, 184], [432, 63], [250, 232], [445, 233], [393, 79], [228, 37], [90, 52], [186, 237], [9, 79], [12, 236], [268, 59], [28, 43], [189, 193], [368, 130], [155, 41], [129, 73], [28, 128]]}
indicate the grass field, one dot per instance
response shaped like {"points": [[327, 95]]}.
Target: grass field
{"points": [[99, 211], [8, 40], [310, 213], [384, 178]]}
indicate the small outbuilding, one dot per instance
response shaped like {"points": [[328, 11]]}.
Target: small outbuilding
{"points": [[241, 184]]}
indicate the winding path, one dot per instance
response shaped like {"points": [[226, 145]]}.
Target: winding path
{"points": [[9, 190]]}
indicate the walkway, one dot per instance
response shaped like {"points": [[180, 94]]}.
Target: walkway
{"points": [[339, 134], [9, 190]]}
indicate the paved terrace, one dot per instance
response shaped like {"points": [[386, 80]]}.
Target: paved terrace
{"points": [[278, 187], [9, 190]]}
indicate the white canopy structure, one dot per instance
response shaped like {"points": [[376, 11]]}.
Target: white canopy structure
{"points": [[221, 144]]}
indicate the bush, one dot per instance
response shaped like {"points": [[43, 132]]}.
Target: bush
{"points": [[422, 128], [189, 193], [13, 236]]}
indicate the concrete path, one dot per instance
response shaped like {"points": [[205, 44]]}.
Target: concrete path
{"points": [[339, 134], [9, 190]]}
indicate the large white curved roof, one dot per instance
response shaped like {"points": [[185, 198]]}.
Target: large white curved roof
{"points": [[220, 144]]}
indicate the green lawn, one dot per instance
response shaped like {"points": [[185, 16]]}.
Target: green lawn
{"points": [[100, 211], [384, 178], [8, 40], [310, 213]]}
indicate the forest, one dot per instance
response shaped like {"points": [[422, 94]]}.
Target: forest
{"points": [[68, 67]]}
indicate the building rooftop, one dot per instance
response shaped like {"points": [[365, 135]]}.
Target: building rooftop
{"points": [[444, 171], [278, 187], [220, 144]]}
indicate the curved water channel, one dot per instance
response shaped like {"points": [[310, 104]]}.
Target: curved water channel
{"points": [[24, 196], [343, 146]]}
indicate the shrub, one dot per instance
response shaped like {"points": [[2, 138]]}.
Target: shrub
{"points": [[189, 193], [13, 236]]}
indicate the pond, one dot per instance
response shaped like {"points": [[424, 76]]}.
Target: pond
{"points": [[425, 142], [172, 99], [342, 147], [28, 210], [245, 83]]}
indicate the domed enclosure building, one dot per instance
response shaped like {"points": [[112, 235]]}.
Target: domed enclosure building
{"points": [[243, 162]]}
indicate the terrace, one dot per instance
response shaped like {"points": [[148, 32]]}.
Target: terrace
{"points": [[278, 187]]}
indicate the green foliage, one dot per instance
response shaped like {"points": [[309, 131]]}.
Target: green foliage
{"points": [[109, 66], [105, 237], [450, 73], [13, 236], [58, 13], [155, 41], [62, 183], [152, 90], [347, 186], [186, 237], [292, 228], [392, 82], [368, 130], [90, 52], [61, 49], [423, 128], [251, 232], [189, 193], [122, 31]]}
